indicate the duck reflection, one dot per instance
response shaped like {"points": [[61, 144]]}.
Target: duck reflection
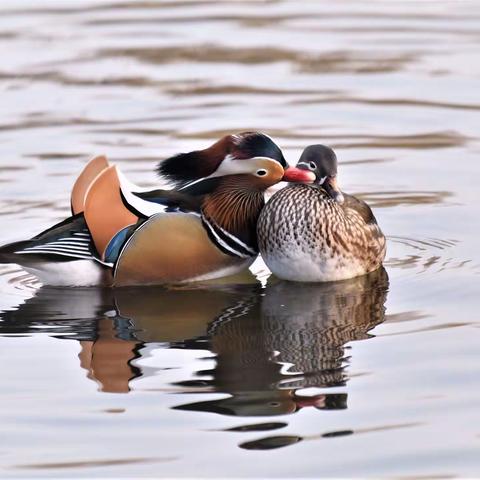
{"points": [[291, 337], [112, 326], [268, 342]]}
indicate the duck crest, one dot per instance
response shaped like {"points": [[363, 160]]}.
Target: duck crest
{"points": [[185, 167], [230, 216]]}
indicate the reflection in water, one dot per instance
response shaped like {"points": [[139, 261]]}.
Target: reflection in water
{"points": [[278, 441], [393, 199], [429, 254], [289, 338], [341, 62], [269, 342], [112, 326]]}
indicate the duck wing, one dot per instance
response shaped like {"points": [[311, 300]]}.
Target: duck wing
{"points": [[67, 240], [106, 208], [114, 207], [90, 172], [360, 207], [374, 234], [106, 213], [172, 200], [188, 198]]}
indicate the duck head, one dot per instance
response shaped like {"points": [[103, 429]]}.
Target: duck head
{"points": [[227, 182], [322, 161], [242, 153]]}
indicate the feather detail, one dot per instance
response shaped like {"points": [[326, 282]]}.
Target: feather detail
{"points": [[235, 207], [65, 241], [172, 199], [185, 167]]}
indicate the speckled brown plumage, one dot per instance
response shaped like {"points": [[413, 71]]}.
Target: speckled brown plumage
{"points": [[304, 235]]}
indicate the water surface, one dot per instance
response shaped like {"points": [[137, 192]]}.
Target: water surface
{"points": [[377, 376]]}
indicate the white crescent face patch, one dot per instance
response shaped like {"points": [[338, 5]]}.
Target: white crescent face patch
{"points": [[234, 166]]}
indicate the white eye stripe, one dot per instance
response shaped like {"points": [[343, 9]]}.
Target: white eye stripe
{"points": [[232, 166]]}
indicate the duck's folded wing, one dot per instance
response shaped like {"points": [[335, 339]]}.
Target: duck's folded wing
{"points": [[361, 208], [68, 240], [90, 172], [113, 205], [106, 214], [374, 234], [171, 200], [107, 207]]}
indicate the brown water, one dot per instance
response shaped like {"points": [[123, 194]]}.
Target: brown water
{"points": [[377, 376]]}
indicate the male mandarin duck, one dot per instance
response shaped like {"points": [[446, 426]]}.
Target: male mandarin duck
{"points": [[316, 233], [205, 228]]}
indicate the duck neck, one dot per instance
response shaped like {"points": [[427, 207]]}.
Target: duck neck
{"points": [[230, 215]]}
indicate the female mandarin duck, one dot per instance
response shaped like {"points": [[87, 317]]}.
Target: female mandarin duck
{"points": [[203, 229], [316, 233]]}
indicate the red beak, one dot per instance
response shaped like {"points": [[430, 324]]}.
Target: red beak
{"points": [[298, 175]]}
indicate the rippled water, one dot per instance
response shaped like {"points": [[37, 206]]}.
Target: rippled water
{"points": [[377, 376]]}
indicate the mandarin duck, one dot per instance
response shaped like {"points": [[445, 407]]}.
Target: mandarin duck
{"points": [[316, 233], [204, 228]]}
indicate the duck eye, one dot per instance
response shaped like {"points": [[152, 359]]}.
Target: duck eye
{"points": [[312, 165], [261, 173]]}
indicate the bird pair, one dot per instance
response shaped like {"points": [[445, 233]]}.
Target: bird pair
{"points": [[211, 224]]}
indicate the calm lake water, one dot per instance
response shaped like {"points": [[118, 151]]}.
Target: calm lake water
{"points": [[378, 376]]}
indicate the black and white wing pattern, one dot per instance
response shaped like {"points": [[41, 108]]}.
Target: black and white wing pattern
{"points": [[68, 240]]}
